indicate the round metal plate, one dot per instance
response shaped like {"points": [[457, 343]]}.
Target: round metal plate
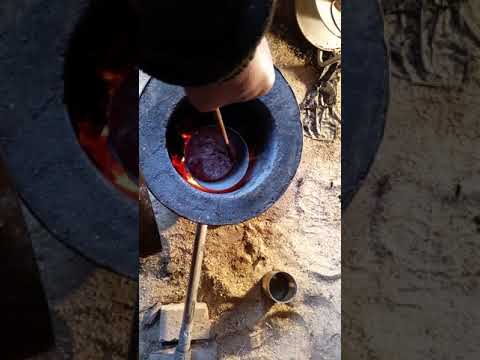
{"points": [[318, 28]]}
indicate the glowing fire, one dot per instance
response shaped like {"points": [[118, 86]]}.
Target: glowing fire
{"points": [[96, 146], [186, 138], [178, 163], [113, 79]]}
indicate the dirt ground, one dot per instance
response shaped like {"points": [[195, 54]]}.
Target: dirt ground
{"points": [[299, 234], [413, 228], [91, 308]]}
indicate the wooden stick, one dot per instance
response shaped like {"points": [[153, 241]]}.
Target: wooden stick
{"points": [[184, 339], [221, 125]]}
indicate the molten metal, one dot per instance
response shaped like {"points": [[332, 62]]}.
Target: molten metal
{"points": [[178, 162]]}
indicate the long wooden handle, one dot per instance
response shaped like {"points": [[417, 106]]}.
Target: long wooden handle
{"points": [[183, 348]]}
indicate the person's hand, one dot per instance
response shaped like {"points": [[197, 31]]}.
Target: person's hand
{"points": [[254, 81]]}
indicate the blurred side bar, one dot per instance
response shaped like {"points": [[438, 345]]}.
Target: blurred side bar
{"points": [[26, 325]]}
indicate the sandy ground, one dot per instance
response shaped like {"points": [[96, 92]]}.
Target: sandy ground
{"points": [[411, 234], [299, 234], [405, 250], [91, 308]]}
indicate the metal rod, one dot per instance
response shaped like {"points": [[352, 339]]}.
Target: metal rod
{"points": [[183, 352], [221, 126]]}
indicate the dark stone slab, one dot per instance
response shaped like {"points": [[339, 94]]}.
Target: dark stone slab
{"points": [[53, 175], [26, 321], [275, 163], [365, 91]]}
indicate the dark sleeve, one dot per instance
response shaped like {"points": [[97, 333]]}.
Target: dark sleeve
{"points": [[192, 43]]}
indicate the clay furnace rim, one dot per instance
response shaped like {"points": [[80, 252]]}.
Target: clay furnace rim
{"points": [[157, 105]]}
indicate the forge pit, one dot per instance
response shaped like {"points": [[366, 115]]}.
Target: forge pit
{"points": [[100, 80]]}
